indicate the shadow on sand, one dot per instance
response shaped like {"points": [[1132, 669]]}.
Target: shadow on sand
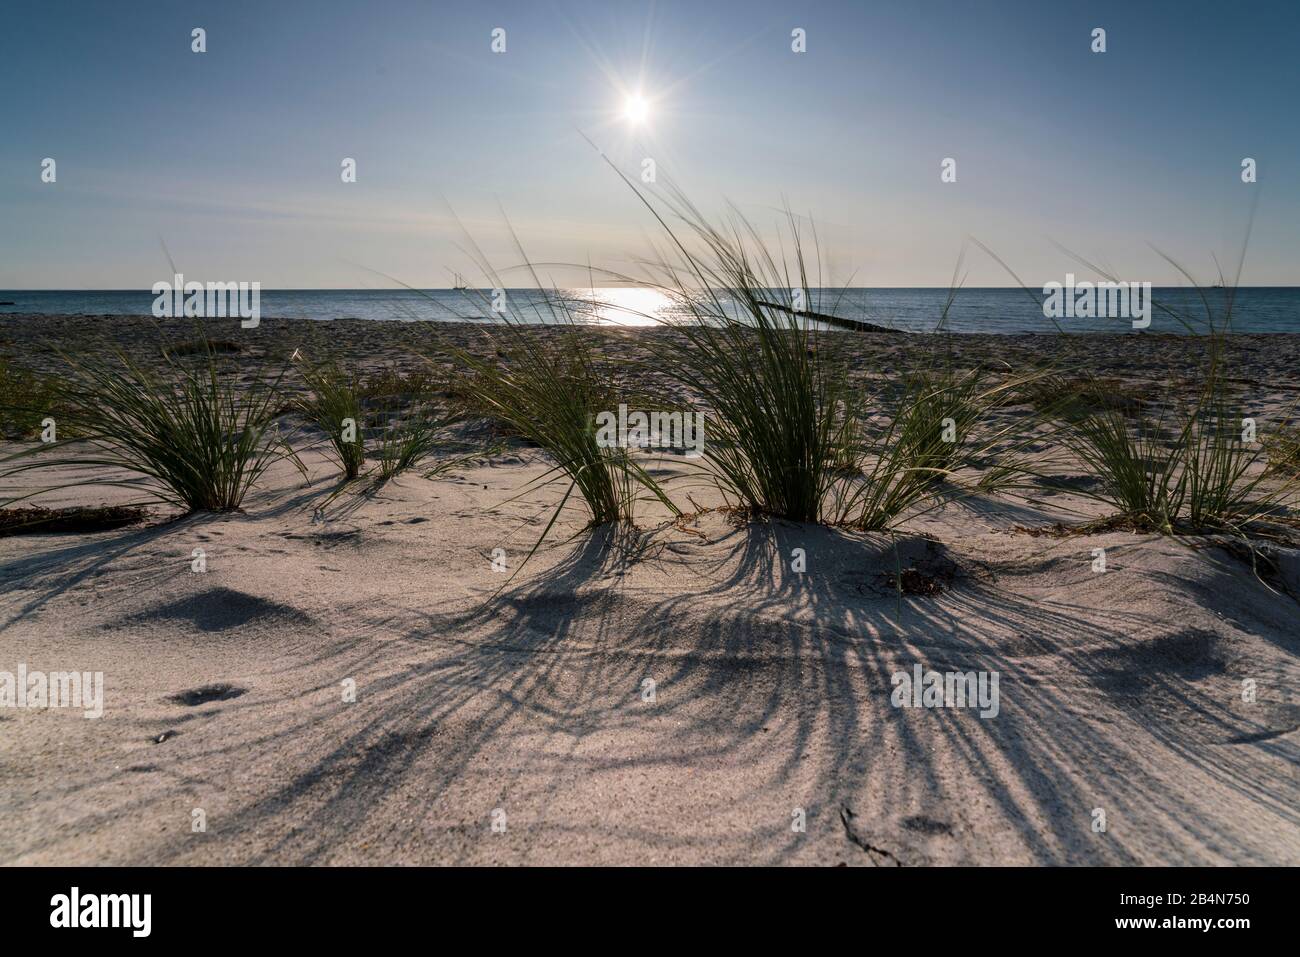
{"points": [[783, 677]]}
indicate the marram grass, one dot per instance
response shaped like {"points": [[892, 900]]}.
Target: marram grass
{"points": [[545, 389], [1183, 463], [191, 436], [543, 385], [1183, 466], [1175, 464], [790, 433], [333, 405], [388, 418]]}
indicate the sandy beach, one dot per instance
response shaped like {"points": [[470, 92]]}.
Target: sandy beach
{"points": [[680, 695]]}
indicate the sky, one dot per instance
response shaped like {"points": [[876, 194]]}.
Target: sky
{"points": [[232, 158]]}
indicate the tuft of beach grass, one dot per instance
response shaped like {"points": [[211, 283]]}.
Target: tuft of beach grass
{"points": [[790, 434], [191, 436]]}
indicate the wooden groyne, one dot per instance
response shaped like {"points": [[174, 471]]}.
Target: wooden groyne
{"points": [[857, 325]]}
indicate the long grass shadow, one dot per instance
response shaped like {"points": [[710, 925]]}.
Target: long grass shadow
{"points": [[60, 570], [785, 672], [480, 687]]}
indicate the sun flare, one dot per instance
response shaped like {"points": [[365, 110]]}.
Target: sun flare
{"points": [[636, 109]]}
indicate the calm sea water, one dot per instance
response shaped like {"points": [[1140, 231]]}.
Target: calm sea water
{"points": [[1254, 309]]}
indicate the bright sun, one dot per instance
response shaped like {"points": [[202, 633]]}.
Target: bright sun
{"points": [[636, 109]]}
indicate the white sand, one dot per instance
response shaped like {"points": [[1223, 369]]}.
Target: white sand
{"points": [[1119, 691]]}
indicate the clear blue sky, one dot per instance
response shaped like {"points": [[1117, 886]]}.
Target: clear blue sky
{"points": [[233, 156]]}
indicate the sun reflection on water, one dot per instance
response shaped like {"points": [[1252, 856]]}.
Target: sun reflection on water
{"points": [[625, 305]]}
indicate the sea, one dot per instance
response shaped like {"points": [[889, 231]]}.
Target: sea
{"points": [[1178, 310]]}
